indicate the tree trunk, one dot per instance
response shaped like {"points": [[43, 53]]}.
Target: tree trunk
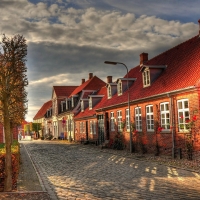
{"points": [[8, 159]]}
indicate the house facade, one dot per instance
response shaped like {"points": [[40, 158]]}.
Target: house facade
{"points": [[163, 94], [164, 102]]}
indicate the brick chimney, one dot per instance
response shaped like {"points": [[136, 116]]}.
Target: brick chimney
{"points": [[109, 79], [83, 80], [143, 58], [199, 27], [90, 75]]}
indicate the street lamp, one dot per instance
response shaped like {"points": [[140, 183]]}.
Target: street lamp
{"points": [[129, 119]]}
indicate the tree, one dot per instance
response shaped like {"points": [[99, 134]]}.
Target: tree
{"points": [[13, 97], [36, 127]]}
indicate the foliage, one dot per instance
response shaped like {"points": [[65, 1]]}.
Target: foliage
{"points": [[36, 127], [189, 136], [15, 164], [13, 97], [118, 142], [26, 127], [14, 147], [13, 79]]}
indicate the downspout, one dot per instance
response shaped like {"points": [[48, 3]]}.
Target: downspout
{"points": [[172, 123]]}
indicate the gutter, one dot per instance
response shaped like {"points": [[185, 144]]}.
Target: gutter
{"points": [[148, 98]]}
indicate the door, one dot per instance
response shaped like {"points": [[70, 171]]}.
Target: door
{"points": [[100, 119], [107, 127]]}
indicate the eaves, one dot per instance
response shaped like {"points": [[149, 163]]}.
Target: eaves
{"points": [[153, 97]]}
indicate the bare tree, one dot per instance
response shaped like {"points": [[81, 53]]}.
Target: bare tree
{"points": [[13, 97]]}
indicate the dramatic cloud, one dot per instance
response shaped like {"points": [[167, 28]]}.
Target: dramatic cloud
{"points": [[68, 39]]}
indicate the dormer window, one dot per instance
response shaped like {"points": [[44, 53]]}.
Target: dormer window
{"points": [[72, 102], [111, 89], [82, 106], [146, 77], [90, 103], [109, 92], [119, 87], [150, 73]]}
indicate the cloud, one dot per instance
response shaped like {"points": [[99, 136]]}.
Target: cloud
{"points": [[69, 39]]}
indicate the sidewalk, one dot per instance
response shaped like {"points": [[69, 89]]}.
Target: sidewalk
{"points": [[29, 184]]}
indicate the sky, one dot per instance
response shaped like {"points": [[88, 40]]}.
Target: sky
{"points": [[68, 39]]}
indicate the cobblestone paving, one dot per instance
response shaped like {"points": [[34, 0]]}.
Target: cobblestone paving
{"points": [[71, 171]]}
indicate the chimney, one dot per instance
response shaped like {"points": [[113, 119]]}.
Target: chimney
{"points": [[109, 79], [143, 58], [90, 75], [199, 27], [83, 80]]}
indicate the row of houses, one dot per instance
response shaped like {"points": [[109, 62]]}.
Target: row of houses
{"points": [[163, 94]]}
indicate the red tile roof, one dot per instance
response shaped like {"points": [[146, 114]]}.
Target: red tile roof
{"points": [[183, 71], [40, 114], [90, 113], [64, 91], [94, 83]]}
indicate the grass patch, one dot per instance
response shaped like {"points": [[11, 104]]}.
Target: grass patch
{"points": [[14, 147]]}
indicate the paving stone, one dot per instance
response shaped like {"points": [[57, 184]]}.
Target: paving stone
{"points": [[74, 171]]}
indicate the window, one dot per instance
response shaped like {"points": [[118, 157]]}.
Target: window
{"points": [[127, 120], [62, 107], [138, 119], [82, 106], [72, 101], [146, 77], [92, 127], [165, 118], [112, 121], [90, 103], [66, 104], [119, 120], [109, 92], [119, 85], [183, 114], [149, 118]]}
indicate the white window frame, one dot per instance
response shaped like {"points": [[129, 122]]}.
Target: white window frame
{"points": [[127, 120], [90, 103], [119, 120], [66, 104], [119, 88], [138, 119], [109, 92], [112, 121], [183, 115], [149, 118], [165, 116], [93, 127], [62, 106], [146, 77], [82, 106], [72, 99]]}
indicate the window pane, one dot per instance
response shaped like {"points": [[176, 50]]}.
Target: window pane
{"points": [[180, 105], [162, 107], [151, 108], [186, 114], [185, 104], [166, 106]]}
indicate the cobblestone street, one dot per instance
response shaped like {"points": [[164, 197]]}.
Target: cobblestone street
{"points": [[71, 171]]}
